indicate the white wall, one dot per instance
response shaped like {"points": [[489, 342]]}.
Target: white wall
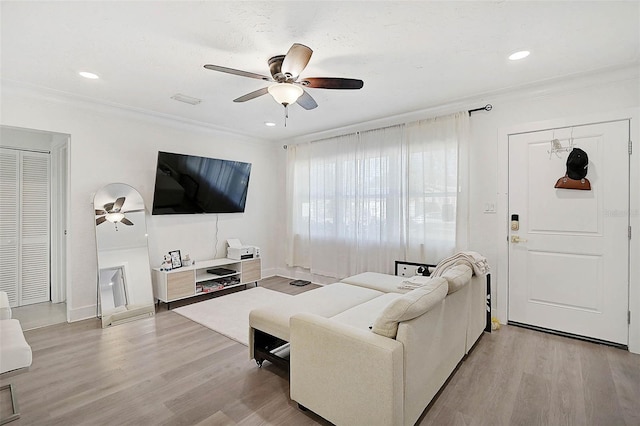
{"points": [[113, 145]]}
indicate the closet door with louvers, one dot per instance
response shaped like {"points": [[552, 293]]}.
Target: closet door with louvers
{"points": [[24, 226]]}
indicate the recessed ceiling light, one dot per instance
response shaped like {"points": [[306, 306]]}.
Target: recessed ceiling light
{"points": [[269, 123], [90, 75], [519, 55]]}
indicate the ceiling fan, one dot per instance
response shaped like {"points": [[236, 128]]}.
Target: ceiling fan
{"points": [[112, 212], [285, 71]]}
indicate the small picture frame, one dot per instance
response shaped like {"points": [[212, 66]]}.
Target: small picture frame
{"points": [[176, 260]]}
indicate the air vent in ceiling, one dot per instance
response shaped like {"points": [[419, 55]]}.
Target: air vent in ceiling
{"points": [[186, 99]]}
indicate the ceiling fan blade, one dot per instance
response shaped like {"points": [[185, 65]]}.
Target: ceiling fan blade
{"points": [[332, 83], [306, 101], [252, 95], [237, 72], [99, 212], [133, 211], [108, 207], [100, 220], [118, 204], [126, 221], [296, 60]]}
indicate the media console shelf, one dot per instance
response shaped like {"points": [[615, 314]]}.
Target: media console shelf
{"points": [[204, 277]]}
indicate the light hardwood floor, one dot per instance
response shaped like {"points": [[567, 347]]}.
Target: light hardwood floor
{"points": [[169, 370], [40, 315]]}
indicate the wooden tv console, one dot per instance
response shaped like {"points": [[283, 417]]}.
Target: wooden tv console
{"points": [[194, 280]]}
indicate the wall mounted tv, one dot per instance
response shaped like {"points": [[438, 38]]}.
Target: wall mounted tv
{"points": [[189, 184]]}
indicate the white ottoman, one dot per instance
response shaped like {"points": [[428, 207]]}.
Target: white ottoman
{"points": [[269, 325]]}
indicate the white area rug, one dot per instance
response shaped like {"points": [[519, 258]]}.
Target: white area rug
{"points": [[229, 314]]}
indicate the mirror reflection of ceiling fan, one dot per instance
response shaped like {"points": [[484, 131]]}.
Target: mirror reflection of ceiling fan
{"points": [[112, 212], [285, 71]]}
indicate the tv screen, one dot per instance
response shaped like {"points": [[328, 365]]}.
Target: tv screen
{"points": [[189, 184]]}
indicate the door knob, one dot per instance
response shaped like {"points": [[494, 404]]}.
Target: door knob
{"points": [[517, 239]]}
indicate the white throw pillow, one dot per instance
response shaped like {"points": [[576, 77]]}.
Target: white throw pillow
{"points": [[457, 277], [409, 306]]}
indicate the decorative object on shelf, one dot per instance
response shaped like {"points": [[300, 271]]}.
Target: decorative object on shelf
{"points": [[186, 260], [423, 270], [166, 263], [410, 269], [176, 260], [300, 283], [575, 176]]}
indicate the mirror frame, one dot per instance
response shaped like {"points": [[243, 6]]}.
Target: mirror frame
{"points": [[120, 213]]}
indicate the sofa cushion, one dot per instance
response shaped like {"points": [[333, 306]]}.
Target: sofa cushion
{"points": [[377, 281], [457, 276], [409, 306], [325, 301], [363, 315]]}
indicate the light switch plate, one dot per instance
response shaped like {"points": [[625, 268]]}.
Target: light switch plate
{"points": [[489, 208]]}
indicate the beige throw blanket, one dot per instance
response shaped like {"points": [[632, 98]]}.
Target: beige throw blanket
{"points": [[414, 282], [474, 260]]}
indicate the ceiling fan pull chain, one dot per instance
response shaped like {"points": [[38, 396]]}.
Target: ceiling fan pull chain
{"points": [[286, 114]]}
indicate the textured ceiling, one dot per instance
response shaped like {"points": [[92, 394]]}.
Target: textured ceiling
{"points": [[411, 55]]}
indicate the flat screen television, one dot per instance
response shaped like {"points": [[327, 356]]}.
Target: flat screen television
{"points": [[188, 184]]}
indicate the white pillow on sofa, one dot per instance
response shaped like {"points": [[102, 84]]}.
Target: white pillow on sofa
{"points": [[409, 306], [457, 276]]}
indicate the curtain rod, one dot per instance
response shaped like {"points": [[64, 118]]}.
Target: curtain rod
{"points": [[487, 107]]}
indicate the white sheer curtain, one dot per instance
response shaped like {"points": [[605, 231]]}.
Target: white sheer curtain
{"points": [[360, 201], [298, 177], [438, 189]]}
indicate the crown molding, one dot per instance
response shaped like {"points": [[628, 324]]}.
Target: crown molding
{"points": [[536, 90], [74, 100]]}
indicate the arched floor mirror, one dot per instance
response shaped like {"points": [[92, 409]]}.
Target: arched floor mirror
{"points": [[124, 289]]}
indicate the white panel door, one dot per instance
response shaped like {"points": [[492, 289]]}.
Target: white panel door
{"points": [[24, 226], [569, 271], [35, 216]]}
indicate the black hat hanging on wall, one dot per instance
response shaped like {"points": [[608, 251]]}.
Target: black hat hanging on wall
{"points": [[576, 175]]}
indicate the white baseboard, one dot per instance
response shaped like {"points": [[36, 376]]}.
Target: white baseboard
{"points": [[83, 313]]}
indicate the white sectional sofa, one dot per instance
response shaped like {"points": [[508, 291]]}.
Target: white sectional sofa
{"points": [[366, 352]]}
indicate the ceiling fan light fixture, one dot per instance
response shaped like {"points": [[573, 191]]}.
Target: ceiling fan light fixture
{"points": [[285, 93], [114, 217]]}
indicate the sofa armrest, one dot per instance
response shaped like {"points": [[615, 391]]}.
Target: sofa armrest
{"points": [[345, 374], [5, 307]]}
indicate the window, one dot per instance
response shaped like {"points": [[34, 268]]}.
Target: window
{"points": [[358, 202]]}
